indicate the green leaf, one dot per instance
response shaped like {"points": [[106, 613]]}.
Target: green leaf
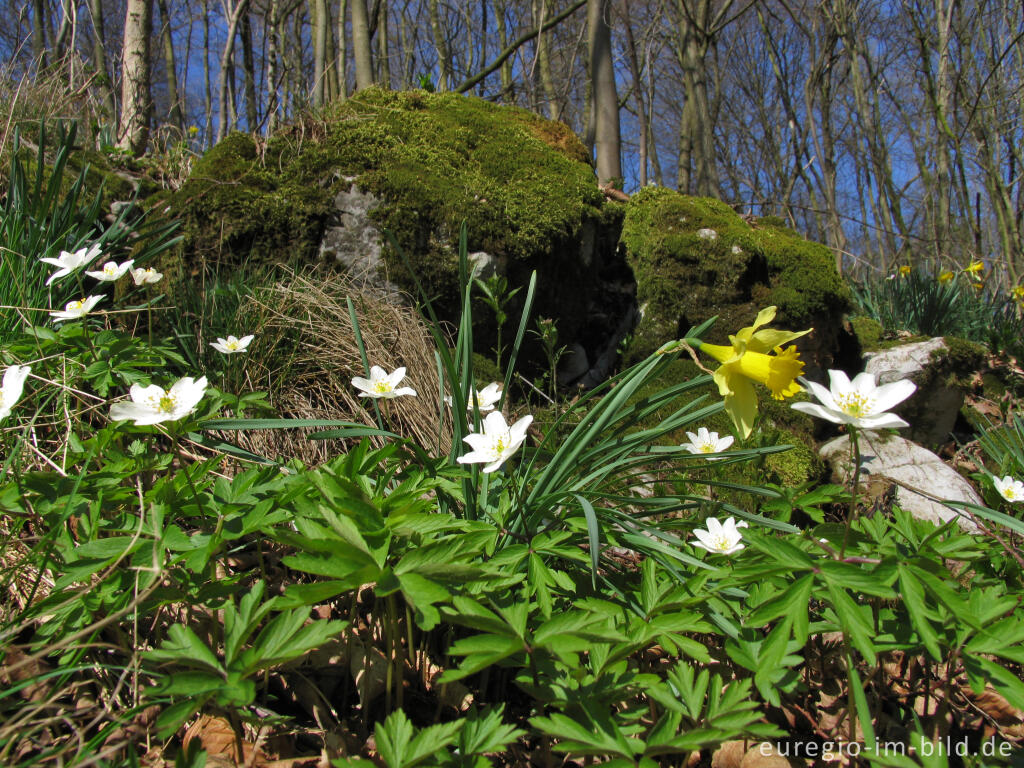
{"points": [[913, 599]]}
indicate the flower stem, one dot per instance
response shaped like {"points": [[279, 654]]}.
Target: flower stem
{"points": [[855, 450]]}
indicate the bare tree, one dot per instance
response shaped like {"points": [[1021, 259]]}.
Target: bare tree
{"points": [[135, 95]]}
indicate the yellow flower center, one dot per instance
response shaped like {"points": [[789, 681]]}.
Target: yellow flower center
{"points": [[109, 269], [166, 403], [500, 444], [381, 387], [855, 404], [75, 306], [707, 448], [232, 345], [1009, 493], [720, 542]]}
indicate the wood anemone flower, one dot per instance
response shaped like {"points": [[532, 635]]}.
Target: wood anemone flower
{"points": [[111, 271], [496, 442], [14, 383], [69, 261], [749, 359], [77, 309], [720, 538], [153, 404], [860, 403], [1009, 488], [232, 344], [382, 384], [705, 442]]}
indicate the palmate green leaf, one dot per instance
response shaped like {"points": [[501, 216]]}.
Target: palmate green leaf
{"points": [[288, 636], [913, 600], [945, 595], [423, 595], [793, 601], [401, 749], [241, 622], [184, 647], [481, 651], [852, 620], [982, 670], [590, 739], [484, 732]]}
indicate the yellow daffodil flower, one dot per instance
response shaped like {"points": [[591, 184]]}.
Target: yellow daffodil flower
{"points": [[945, 277], [905, 270], [975, 269], [750, 358]]}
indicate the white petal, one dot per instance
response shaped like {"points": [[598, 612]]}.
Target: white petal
{"points": [[396, 376], [494, 423], [518, 430], [813, 409], [823, 395], [881, 421], [404, 391], [888, 395], [839, 381], [360, 383]]}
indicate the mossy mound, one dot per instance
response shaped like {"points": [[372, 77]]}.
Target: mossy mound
{"points": [[686, 274], [521, 183]]}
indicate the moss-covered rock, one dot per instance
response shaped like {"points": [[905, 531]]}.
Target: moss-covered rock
{"points": [[522, 185], [695, 258]]}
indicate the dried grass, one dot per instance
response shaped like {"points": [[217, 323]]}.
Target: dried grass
{"points": [[309, 355]]}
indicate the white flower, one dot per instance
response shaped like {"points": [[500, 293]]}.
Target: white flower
{"points": [[707, 233], [496, 443], [860, 403], [719, 538], [231, 344], [707, 442], [382, 384], [736, 251], [152, 404], [485, 399], [69, 262], [77, 309], [112, 271], [144, 276], [1010, 489], [14, 382]]}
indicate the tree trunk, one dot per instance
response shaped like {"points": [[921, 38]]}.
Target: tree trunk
{"points": [[252, 113], [342, 61], [638, 93], [544, 59], [39, 33], [383, 54], [135, 96], [175, 112], [99, 59], [318, 24], [444, 56], [361, 45], [606, 99], [227, 68]]}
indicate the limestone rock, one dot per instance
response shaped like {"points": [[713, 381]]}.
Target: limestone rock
{"points": [[919, 475], [933, 409]]}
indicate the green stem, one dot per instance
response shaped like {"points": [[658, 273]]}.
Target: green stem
{"points": [[855, 449]]}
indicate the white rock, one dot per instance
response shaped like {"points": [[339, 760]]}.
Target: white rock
{"points": [[894, 460], [933, 410]]}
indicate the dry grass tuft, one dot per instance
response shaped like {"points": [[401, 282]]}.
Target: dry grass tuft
{"points": [[309, 355]]}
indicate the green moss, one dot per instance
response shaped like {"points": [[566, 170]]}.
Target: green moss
{"points": [[961, 360], [868, 332], [519, 182], [684, 279]]}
